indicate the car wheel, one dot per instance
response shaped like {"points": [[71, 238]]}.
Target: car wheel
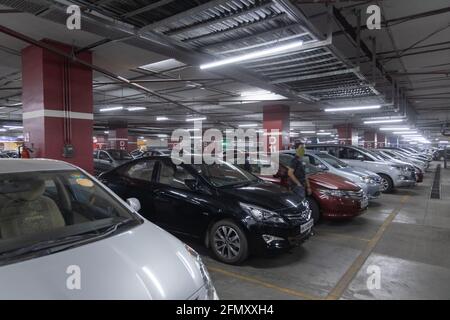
{"points": [[386, 183], [228, 242], [315, 210]]}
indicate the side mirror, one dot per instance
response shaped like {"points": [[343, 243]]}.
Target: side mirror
{"points": [[134, 203], [360, 157], [191, 184]]}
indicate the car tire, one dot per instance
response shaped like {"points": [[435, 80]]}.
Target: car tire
{"points": [[228, 242], [315, 214], [387, 186]]}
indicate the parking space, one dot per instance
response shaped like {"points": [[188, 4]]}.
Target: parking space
{"points": [[405, 235]]}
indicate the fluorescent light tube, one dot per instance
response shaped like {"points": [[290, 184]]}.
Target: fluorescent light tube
{"points": [[383, 121], [161, 118], [323, 133], [196, 119], [352, 108], [136, 108], [405, 132], [111, 109], [394, 129], [306, 132], [253, 55]]}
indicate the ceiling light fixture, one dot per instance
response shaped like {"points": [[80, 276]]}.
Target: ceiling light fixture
{"points": [[136, 108], [196, 119], [405, 132], [352, 108], [323, 133], [383, 121], [253, 55], [111, 109], [308, 132], [394, 129], [161, 118]]}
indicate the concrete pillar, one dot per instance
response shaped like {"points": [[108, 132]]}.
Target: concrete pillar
{"points": [[53, 88], [118, 138], [370, 139], [132, 143], [381, 140], [277, 117], [347, 135]]}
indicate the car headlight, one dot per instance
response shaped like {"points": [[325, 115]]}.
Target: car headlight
{"points": [[261, 214], [210, 290], [401, 168], [332, 192], [366, 179]]}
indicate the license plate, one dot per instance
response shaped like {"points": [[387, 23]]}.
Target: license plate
{"points": [[306, 226], [364, 203]]}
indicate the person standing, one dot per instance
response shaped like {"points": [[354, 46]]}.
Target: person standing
{"points": [[297, 174]]}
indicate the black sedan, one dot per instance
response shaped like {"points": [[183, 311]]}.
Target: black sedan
{"points": [[232, 211]]}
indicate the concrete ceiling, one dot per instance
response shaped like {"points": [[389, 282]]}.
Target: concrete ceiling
{"points": [[190, 34]]}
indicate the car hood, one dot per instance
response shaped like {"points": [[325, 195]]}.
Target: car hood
{"points": [[332, 181], [142, 263], [267, 195]]}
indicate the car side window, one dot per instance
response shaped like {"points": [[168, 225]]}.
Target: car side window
{"points": [[103, 156], [141, 170], [311, 160], [353, 154], [174, 176], [95, 154], [332, 151], [342, 153]]}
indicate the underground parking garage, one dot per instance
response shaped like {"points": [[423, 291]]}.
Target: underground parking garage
{"points": [[234, 150]]}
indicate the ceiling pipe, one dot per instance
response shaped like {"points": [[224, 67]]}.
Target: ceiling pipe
{"points": [[105, 72]]}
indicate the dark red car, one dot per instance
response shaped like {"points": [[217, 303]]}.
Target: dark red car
{"points": [[333, 197]]}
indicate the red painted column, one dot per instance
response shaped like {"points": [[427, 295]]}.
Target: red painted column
{"points": [[118, 138], [276, 117], [132, 143], [381, 140], [46, 98], [345, 133], [370, 139]]}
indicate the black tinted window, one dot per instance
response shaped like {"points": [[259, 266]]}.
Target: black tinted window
{"points": [[141, 170]]}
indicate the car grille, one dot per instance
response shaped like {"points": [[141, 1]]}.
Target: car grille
{"points": [[295, 217]]}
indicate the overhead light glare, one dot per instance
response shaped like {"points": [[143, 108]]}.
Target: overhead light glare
{"points": [[352, 108], [161, 118], [248, 125], [383, 121], [253, 55], [196, 119], [111, 109], [136, 108], [394, 129]]}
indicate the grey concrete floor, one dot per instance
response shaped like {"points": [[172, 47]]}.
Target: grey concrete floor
{"points": [[405, 236]]}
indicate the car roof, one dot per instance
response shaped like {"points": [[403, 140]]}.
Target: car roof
{"points": [[31, 165]]}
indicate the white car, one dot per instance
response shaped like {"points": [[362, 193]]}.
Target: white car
{"points": [[66, 236]]}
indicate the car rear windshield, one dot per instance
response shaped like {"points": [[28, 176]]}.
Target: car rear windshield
{"points": [[41, 209]]}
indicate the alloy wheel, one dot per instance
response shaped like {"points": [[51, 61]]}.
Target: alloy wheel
{"points": [[227, 242], [384, 184]]}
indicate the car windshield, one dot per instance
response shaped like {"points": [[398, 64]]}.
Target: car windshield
{"points": [[120, 155], [224, 174], [286, 158], [43, 210], [335, 162]]}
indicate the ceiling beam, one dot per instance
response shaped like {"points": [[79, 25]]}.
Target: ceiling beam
{"points": [[146, 8]]}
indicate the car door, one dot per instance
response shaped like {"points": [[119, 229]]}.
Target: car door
{"points": [[104, 161], [182, 209], [136, 180]]}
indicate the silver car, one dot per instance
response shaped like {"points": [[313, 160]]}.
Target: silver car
{"points": [[66, 236], [369, 181]]}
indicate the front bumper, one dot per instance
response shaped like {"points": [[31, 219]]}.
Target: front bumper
{"points": [[373, 191], [404, 181], [286, 237], [341, 208]]}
